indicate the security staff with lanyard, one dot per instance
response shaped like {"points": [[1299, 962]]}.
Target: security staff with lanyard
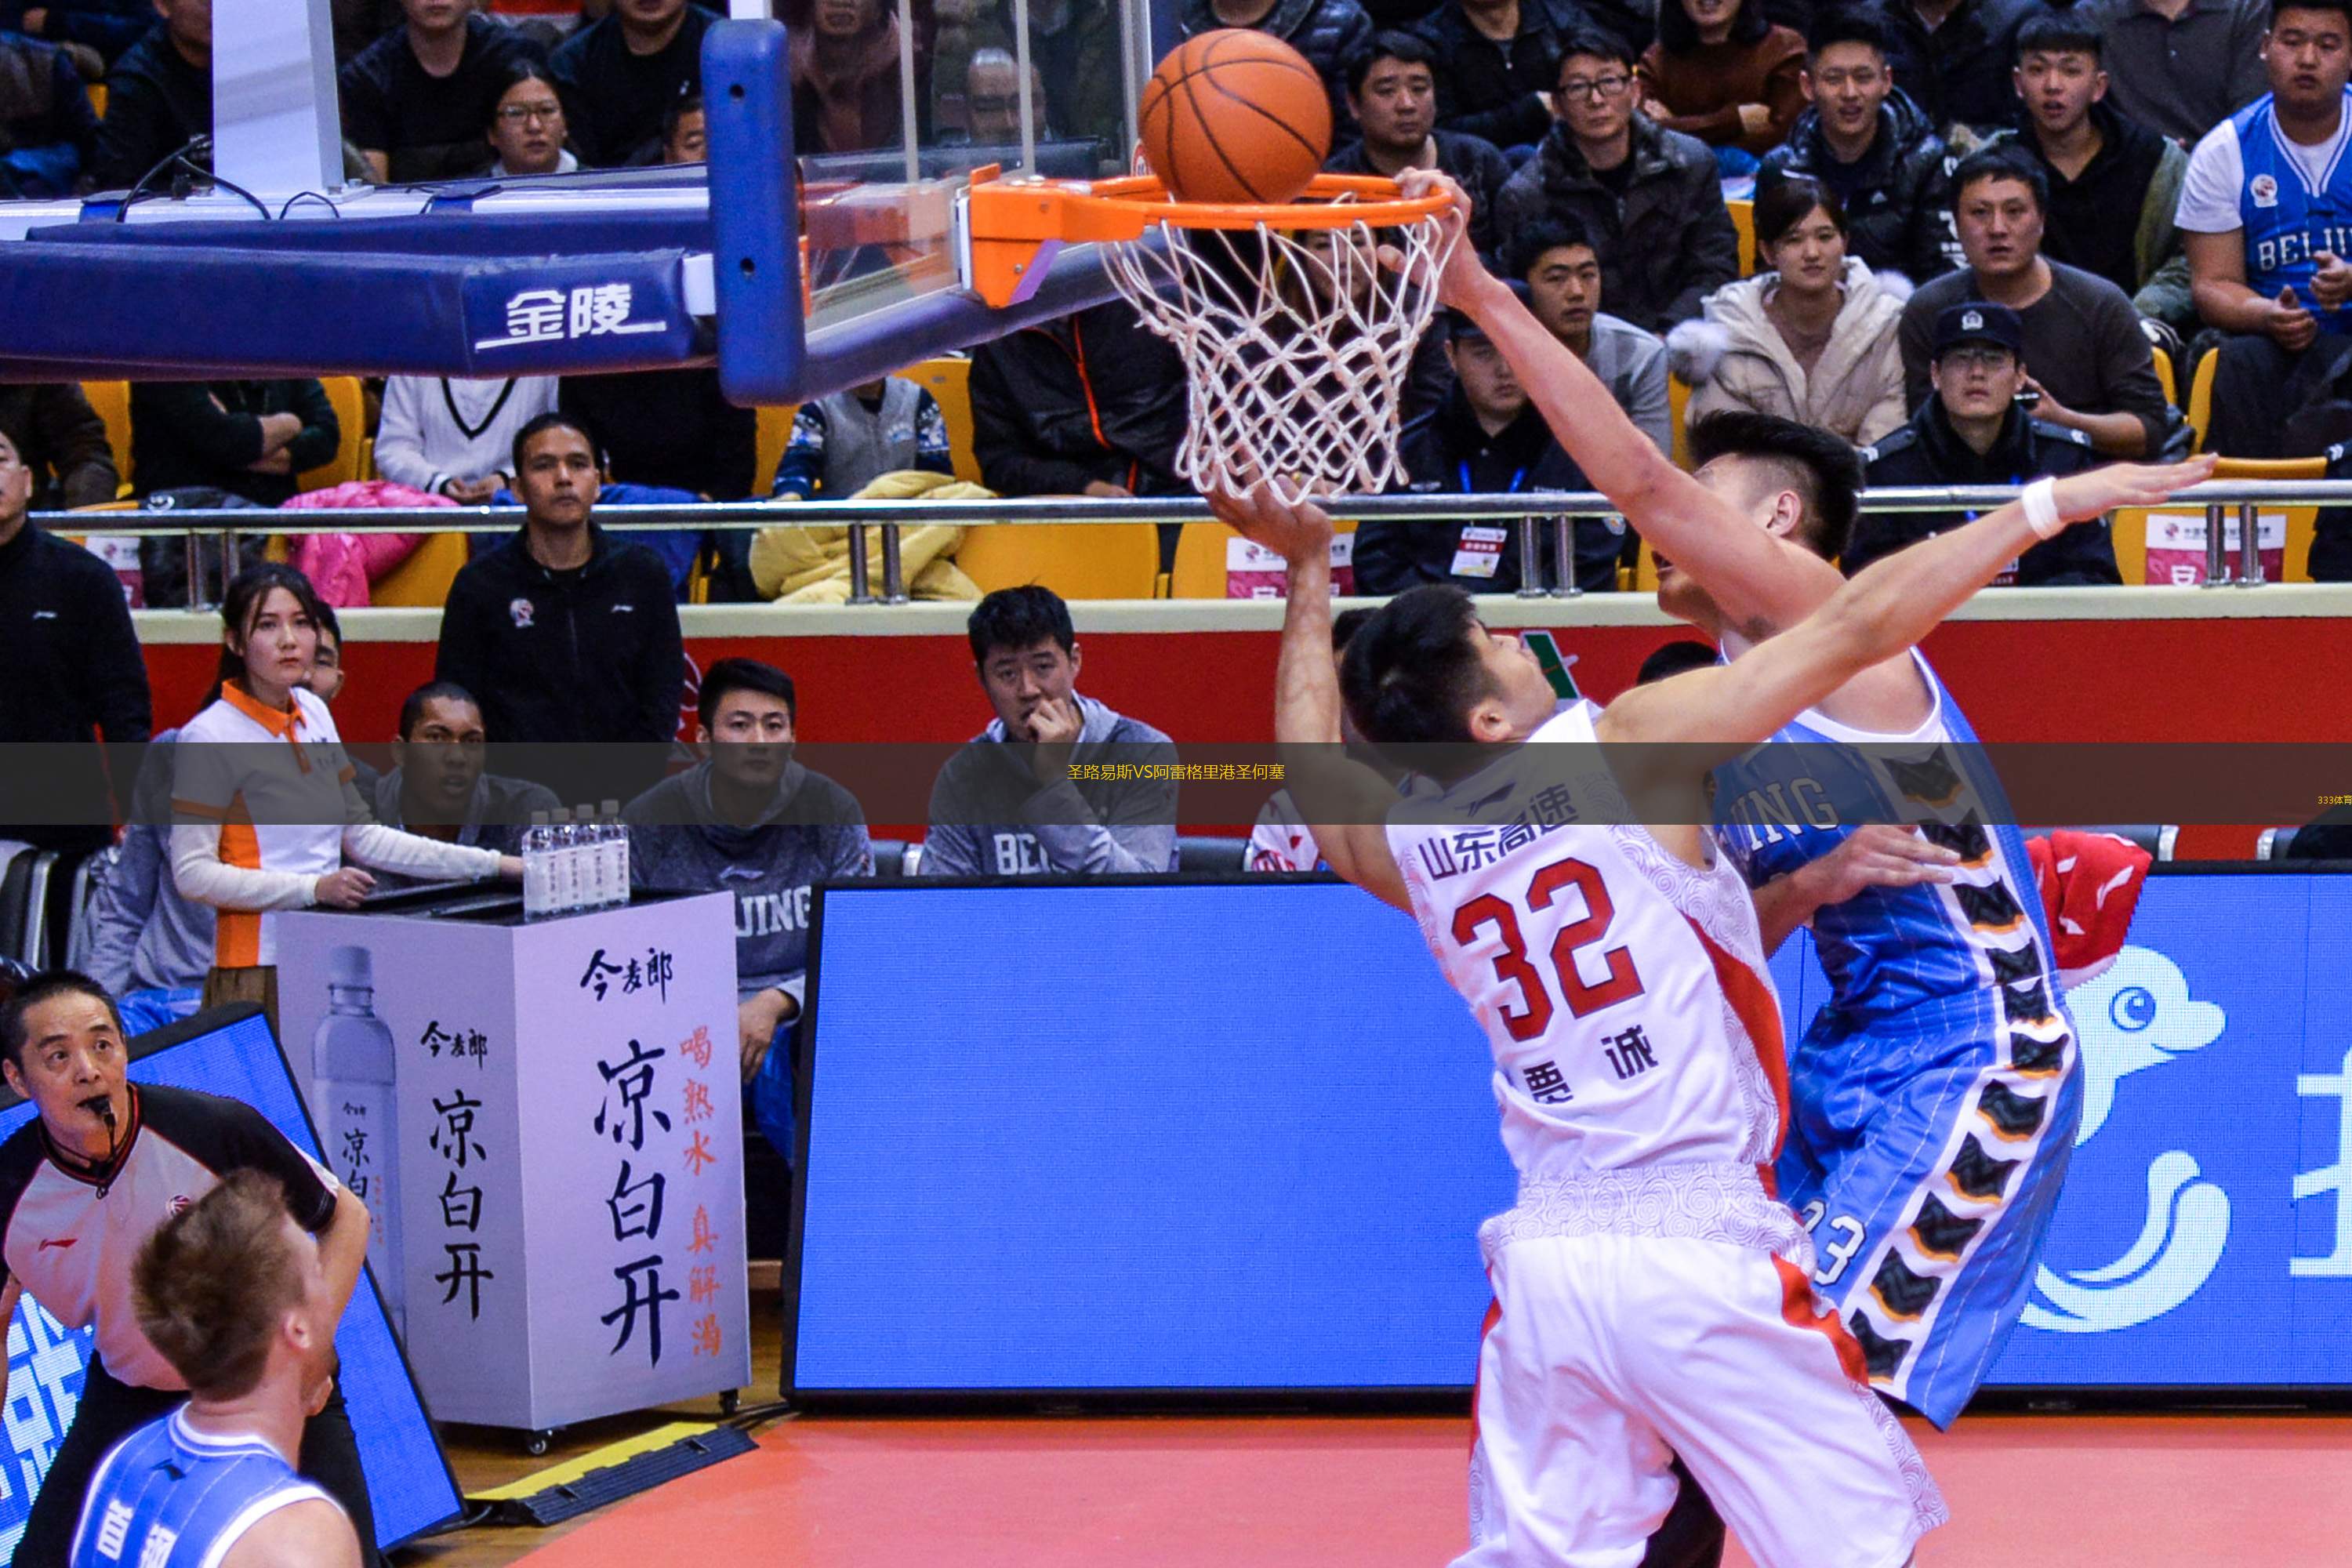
{"points": [[82, 1187]]}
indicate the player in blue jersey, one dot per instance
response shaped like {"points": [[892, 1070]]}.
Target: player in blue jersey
{"points": [[233, 1294], [2265, 217], [1934, 1100]]}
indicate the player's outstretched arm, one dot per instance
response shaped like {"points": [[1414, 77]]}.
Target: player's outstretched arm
{"points": [[1761, 583], [1346, 804], [1889, 606]]}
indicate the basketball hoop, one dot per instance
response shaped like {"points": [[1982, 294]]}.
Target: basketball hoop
{"points": [[1295, 339]]}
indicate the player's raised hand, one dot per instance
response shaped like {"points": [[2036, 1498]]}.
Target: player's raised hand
{"points": [[2082, 497], [1460, 273], [1296, 534]]}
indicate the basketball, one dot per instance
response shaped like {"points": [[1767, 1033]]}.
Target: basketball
{"points": [[1235, 116]]}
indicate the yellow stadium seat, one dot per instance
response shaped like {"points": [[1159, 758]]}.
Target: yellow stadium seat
{"points": [[2131, 526], [1077, 560], [112, 399], [1201, 560], [1743, 221], [1645, 570], [950, 381], [2200, 398], [1678, 395], [775, 433], [351, 413], [2163, 377], [425, 577], [97, 92]]}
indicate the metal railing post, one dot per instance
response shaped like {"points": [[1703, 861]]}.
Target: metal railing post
{"points": [[860, 590], [2216, 557], [1531, 584], [2250, 546], [894, 573], [1563, 556], [195, 560]]}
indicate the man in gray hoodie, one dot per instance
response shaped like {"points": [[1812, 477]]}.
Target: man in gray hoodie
{"points": [[750, 821], [1048, 802]]}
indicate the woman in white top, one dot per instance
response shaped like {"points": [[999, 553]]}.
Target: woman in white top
{"points": [[1813, 340], [264, 812]]}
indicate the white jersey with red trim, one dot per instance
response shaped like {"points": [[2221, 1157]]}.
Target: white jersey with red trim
{"points": [[1624, 991]]}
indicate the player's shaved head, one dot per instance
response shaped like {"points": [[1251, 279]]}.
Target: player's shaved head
{"points": [[1822, 470]]}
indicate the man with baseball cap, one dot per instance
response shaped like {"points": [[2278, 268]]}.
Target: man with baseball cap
{"points": [[1486, 438], [1976, 430]]}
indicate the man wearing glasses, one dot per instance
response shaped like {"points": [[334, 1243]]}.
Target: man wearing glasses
{"points": [[1650, 197]]}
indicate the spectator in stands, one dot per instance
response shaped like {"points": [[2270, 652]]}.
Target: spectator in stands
{"points": [[843, 442], [325, 680], [1974, 432], [228, 769], [1018, 813], [147, 946], [1499, 65], [1651, 198], [101, 28], [527, 128], [1557, 261], [439, 786], [1075, 48], [2089, 361], [1089, 403], [619, 74], [47, 126], [750, 821], [414, 101], [2264, 195], [686, 137], [1722, 72], [1330, 33], [1488, 438], [992, 100], [1392, 92], [1810, 339], [1333, 258], [1869, 144], [159, 96], [669, 429], [245, 439], [2182, 67], [2114, 184], [846, 78], [455, 437], [565, 635], [1954, 57], [60, 438], [74, 674]]}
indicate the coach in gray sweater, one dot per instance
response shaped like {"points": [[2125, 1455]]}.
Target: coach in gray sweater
{"points": [[1025, 809], [752, 822]]}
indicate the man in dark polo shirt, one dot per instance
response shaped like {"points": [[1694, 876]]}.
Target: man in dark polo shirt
{"points": [[82, 1186], [619, 76], [414, 101]]}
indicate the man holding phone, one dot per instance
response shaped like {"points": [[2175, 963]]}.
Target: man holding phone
{"points": [[1978, 428]]}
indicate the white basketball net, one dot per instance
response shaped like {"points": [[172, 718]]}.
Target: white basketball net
{"points": [[1296, 345]]}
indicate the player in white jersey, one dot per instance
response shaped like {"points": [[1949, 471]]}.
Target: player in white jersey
{"points": [[1652, 1297]]}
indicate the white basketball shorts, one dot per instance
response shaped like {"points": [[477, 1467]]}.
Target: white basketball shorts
{"points": [[1611, 1354]]}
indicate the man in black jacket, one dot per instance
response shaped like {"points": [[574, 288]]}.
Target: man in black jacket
{"points": [[414, 101], [620, 74], [1499, 65], [159, 96], [1392, 91], [565, 635], [1954, 57], [250, 439], [61, 438], [1330, 33], [74, 668], [1090, 405], [1651, 198], [1866, 139], [1486, 438], [1974, 432]]}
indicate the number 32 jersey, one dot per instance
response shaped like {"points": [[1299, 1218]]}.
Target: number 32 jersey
{"points": [[1624, 991]]}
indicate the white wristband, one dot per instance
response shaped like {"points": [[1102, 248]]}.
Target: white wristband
{"points": [[2040, 503]]}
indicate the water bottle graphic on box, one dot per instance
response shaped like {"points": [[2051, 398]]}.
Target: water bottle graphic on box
{"points": [[353, 1067]]}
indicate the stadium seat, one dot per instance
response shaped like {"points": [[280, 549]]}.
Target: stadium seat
{"points": [[1678, 396], [889, 858], [1743, 221], [775, 431], [351, 413], [2131, 525], [1202, 855], [112, 399], [948, 380], [1077, 560], [424, 579], [24, 907], [1201, 561], [96, 91], [2164, 376], [2274, 843], [2200, 398]]}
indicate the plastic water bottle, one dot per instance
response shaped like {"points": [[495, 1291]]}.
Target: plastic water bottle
{"points": [[599, 891], [567, 864], [351, 1066], [538, 891], [616, 851]]}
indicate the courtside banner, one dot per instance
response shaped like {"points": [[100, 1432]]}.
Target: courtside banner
{"points": [[1120, 1137]]}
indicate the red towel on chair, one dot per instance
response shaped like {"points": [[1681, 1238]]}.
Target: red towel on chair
{"points": [[2090, 885]]}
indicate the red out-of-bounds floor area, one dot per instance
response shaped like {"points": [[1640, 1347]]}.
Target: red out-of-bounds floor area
{"points": [[2263, 1491]]}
